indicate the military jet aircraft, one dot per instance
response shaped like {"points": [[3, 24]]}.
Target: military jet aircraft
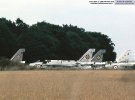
{"points": [[71, 63], [125, 61], [85, 62]]}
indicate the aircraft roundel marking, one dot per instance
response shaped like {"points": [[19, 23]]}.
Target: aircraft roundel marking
{"points": [[98, 57], [87, 56]]}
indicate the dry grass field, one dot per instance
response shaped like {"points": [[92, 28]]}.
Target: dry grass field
{"points": [[67, 85]]}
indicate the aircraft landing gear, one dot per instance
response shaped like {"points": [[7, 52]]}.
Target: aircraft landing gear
{"points": [[115, 67]]}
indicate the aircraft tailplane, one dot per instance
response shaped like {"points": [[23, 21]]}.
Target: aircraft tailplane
{"points": [[87, 56], [98, 57], [18, 56], [125, 57]]}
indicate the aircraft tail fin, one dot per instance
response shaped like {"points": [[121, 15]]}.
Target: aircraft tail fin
{"points": [[98, 57], [18, 56], [125, 57], [87, 56]]}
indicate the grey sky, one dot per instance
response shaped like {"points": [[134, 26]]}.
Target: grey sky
{"points": [[116, 21]]}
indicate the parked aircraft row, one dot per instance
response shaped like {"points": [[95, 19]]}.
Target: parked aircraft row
{"points": [[87, 61]]}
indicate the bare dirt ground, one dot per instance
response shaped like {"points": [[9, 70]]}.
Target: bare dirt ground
{"points": [[67, 85]]}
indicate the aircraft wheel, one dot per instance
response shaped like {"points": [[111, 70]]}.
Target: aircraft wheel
{"points": [[115, 67], [38, 66]]}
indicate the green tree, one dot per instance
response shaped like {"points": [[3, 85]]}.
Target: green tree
{"points": [[48, 41]]}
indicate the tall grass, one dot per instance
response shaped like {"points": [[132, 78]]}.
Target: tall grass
{"points": [[67, 85]]}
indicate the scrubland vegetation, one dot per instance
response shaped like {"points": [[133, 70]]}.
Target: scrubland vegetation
{"points": [[6, 64]]}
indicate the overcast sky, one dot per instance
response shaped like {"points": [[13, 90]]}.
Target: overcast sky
{"points": [[116, 21]]}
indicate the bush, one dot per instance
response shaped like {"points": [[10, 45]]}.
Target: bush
{"points": [[6, 64]]}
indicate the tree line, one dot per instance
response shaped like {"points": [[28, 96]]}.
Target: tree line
{"points": [[48, 41]]}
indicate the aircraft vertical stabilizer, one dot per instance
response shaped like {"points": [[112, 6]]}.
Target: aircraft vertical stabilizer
{"points": [[125, 57], [98, 57], [87, 56], [18, 56]]}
